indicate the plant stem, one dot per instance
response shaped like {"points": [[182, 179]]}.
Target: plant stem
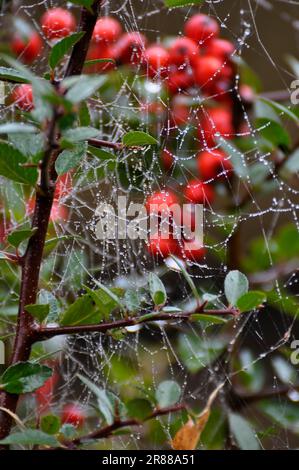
{"points": [[27, 329]]}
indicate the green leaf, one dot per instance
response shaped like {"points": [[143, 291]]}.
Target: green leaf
{"points": [[292, 162], [31, 437], [19, 236], [182, 3], [12, 75], [138, 138], [38, 311], [50, 424], [286, 415], [110, 293], [139, 408], [104, 403], [68, 430], [10, 165], [133, 300], [99, 61], [168, 393], [81, 312], [280, 108], [101, 154], [235, 285], [47, 298], [17, 128], [61, 48], [243, 432], [30, 145], [251, 300], [84, 87], [188, 278], [196, 352], [24, 377], [212, 319], [273, 132], [69, 159], [284, 370], [251, 373], [80, 133], [84, 3], [157, 290]]}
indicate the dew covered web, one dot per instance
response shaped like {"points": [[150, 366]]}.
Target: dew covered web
{"points": [[251, 351]]}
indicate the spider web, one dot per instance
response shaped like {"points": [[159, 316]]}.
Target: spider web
{"points": [[144, 358]]}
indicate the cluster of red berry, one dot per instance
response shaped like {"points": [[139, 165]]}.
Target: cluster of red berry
{"points": [[199, 59]]}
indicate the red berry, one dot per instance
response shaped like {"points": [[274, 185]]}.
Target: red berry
{"points": [[100, 51], [180, 112], [207, 70], [158, 246], [130, 48], [167, 159], [157, 60], [57, 23], [199, 192], [107, 29], [64, 186], [179, 81], [201, 28], [160, 200], [217, 122], [27, 48], [72, 414], [22, 97], [220, 48], [213, 164], [183, 52], [59, 212]]}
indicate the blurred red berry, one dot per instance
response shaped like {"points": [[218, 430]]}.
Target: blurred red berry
{"points": [[179, 112], [44, 394], [199, 192], [220, 48], [179, 81], [27, 48], [159, 200], [107, 30], [22, 97], [64, 186], [57, 23], [217, 122], [201, 28], [213, 164], [130, 48], [207, 70], [193, 250], [157, 60], [73, 414], [167, 159], [183, 52]]}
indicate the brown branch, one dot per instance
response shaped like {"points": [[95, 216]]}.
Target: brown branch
{"points": [[98, 143], [46, 333], [118, 424], [239, 400], [27, 330]]}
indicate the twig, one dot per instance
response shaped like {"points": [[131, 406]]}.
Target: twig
{"points": [[98, 143], [46, 332]]}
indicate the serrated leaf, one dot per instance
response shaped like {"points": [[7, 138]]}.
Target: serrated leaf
{"points": [[168, 393], [18, 236], [50, 424], [157, 290], [61, 48], [182, 3], [251, 300], [10, 165], [84, 87], [38, 311], [31, 437], [24, 377], [235, 285], [105, 405], [243, 432], [80, 133], [138, 139], [69, 159]]}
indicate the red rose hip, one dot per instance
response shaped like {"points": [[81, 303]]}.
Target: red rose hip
{"points": [[201, 28], [22, 97], [27, 48], [107, 29], [213, 164], [57, 23]]}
